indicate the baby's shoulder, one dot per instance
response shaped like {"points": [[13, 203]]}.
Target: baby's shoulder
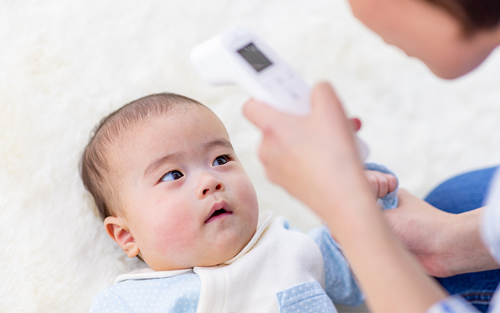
{"points": [[132, 295], [172, 285]]}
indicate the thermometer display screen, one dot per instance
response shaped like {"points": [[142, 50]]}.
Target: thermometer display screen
{"points": [[253, 56]]}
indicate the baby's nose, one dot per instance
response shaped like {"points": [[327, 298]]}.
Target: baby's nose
{"points": [[217, 187], [209, 184]]}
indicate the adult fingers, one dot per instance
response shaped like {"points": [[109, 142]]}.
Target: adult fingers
{"points": [[355, 124], [329, 113], [261, 114], [325, 100]]}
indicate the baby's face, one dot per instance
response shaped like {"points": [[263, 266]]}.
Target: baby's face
{"points": [[186, 199]]}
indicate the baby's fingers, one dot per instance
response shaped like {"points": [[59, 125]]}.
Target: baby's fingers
{"points": [[380, 183]]}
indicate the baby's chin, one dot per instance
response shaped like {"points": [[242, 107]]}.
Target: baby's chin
{"points": [[218, 254], [221, 256]]}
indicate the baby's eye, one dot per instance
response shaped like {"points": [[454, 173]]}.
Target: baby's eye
{"points": [[221, 160], [173, 175]]}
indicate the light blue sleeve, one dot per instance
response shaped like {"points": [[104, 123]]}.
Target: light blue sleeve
{"points": [[176, 294], [340, 284], [454, 304], [107, 301]]}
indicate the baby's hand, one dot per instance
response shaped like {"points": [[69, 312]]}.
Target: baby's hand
{"points": [[380, 183]]}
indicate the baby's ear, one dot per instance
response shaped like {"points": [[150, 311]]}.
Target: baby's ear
{"points": [[117, 229]]}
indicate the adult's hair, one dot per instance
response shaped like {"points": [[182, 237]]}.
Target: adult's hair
{"points": [[474, 15], [98, 178]]}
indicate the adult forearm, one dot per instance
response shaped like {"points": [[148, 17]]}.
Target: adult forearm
{"points": [[462, 246], [445, 244], [391, 278]]}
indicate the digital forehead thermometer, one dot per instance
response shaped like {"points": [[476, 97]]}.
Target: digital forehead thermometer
{"points": [[238, 56]]}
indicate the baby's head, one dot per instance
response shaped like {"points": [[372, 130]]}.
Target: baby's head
{"points": [[168, 184]]}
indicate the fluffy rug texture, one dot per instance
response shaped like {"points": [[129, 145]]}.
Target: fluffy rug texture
{"points": [[66, 64]]}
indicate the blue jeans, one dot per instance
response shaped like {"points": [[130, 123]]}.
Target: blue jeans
{"points": [[457, 195]]}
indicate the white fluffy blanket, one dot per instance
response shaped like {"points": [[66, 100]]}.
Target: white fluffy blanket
{"points": [[66, 64]]}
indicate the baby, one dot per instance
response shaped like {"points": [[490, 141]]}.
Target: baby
{"points": [[171, 190]]}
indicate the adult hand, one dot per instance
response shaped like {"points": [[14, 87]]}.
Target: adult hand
{"points": [[314, 158], [303, 153], [445, 244]]}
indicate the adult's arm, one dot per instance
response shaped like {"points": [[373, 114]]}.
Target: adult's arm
{"points": [[445, 244], [315, 159]]}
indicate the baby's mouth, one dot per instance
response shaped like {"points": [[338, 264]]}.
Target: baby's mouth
{"points": [[218, 213]]}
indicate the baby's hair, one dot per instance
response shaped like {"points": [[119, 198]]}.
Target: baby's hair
{"points": [[474, 15], [94, 166]]}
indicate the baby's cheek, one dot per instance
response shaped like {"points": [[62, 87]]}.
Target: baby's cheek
{"points": [[175, 235], [246, 193]]}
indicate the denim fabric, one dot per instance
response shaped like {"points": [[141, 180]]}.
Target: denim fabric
{"points": [[457, 195]]}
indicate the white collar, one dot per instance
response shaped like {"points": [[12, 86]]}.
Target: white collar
{"points": [[148, 273]]}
